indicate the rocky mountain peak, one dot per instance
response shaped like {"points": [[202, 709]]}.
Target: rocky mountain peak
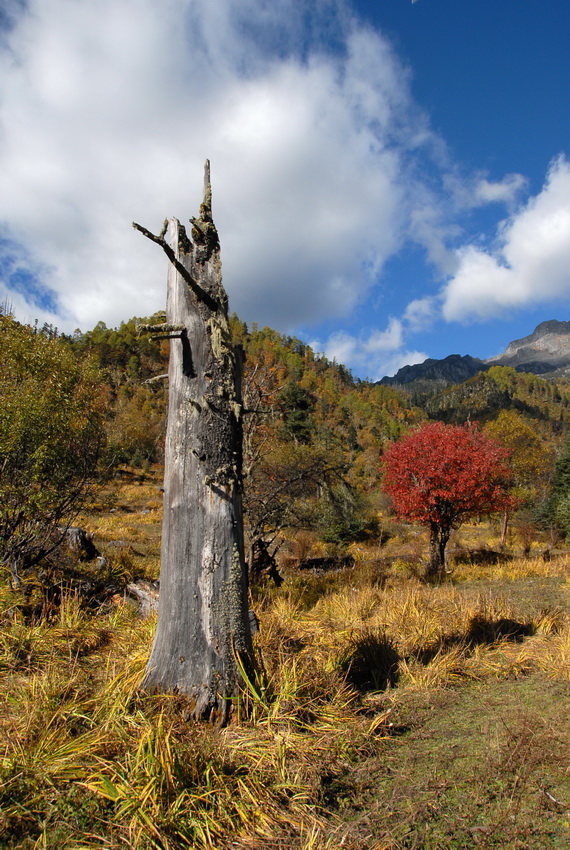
{"points": [[546, 352], [546, 349], [451, 370]]}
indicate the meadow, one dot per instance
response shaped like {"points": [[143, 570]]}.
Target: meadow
{"points": [[387, 713]]}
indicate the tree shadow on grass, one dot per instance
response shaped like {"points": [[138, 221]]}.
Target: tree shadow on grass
{"points": [[480, 557], [480, 631], [486, 630], [372, 664]]}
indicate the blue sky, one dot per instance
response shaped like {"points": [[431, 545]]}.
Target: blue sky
{"points": [[390, 178]]}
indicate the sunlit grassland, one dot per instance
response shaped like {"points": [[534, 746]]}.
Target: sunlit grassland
{"points": [[386, 713], [126, 521]]}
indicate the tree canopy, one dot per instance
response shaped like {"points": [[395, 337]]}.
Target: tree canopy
{"points": [[51, 409], [439, 475]]}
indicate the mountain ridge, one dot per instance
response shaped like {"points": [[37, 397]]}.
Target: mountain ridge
{"points": [[544, 352]]}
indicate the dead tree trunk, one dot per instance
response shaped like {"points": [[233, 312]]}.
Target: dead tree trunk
{"points": [[203, 622]]}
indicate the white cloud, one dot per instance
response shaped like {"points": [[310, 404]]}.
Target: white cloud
{"points": [[421, 313], [531, 264], [476, 190], [388, 340], [320, 162], [374, 354], [500, 191], [340, 346], [435, 215], [108, 110], [430, 228]]}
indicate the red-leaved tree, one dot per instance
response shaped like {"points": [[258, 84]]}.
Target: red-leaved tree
{"points": [[440, 475]]}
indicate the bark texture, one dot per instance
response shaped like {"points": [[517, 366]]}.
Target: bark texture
{"points": [[439, 537], [203, 621]]}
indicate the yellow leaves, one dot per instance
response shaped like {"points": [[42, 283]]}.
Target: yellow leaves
{"points": [[531, 459]]}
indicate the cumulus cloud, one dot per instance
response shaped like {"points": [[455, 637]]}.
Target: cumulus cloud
{"points": [[530, 264], [421, 313], [432, 229], [388, 340], [374, 354], [108, 110], [434, 219]]}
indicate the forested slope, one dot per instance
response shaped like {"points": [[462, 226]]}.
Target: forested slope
{"points": [[313, 435]]}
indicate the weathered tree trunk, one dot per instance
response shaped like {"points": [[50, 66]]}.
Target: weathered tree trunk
{"points": [[203, 621]]}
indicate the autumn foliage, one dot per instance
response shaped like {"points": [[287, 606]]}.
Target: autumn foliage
{"points": [[440, 475]]}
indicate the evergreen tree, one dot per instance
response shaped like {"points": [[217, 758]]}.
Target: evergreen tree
{"points": [[556, 511]]}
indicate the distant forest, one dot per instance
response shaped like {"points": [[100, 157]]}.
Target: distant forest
{"points": [[314, 436]]}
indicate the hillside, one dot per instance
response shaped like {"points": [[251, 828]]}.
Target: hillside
{"points": [[314, 436], [484, 396]]}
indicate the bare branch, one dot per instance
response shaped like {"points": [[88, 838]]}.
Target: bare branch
{"points": [[156, 378], [198, 291]]}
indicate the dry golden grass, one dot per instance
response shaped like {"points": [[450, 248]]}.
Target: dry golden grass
{"points": [[126, 524], [513, 570], [89, 762]]}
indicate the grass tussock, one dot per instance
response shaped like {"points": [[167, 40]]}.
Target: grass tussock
{"points": [[385, 713]]}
